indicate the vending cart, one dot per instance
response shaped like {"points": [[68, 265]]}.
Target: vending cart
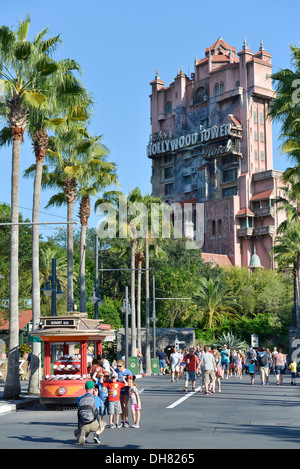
{"points": [[70, 344]]}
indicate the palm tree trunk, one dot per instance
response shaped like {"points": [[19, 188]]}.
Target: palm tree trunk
{"points": [[140, 256], [70, 256], [12, 387], [148, 334], [82, 267], [297, 288], [84, 213], [33, 387], [132, 293]]}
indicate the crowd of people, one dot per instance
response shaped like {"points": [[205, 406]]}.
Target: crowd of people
{"points": [[213, 364], [110, 389], [108, 392]]}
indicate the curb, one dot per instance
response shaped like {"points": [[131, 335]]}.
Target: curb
{"points": [[12, 407]]}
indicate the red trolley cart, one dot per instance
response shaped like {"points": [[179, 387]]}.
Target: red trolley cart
{"points": [[66, 342]]}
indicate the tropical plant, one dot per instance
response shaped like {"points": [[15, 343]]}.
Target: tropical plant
{"points": [[284, 108], [233, 342], [61, 174], [98, 174], [24, 64], [64, 93], [287, 253], [215, 302]]}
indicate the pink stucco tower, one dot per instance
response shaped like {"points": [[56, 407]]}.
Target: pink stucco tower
{"points": [[211, 143]]}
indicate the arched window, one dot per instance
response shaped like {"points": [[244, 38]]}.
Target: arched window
{"points": [[221, 88], [217, 89], [237, 84], [220, 228], [213, 227], [199, 95]]}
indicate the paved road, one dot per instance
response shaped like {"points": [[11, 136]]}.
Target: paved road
{"points": [[240, 417]]}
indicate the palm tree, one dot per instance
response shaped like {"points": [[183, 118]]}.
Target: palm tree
{"points": [[23, 65], [149, 240], [64, 154], [214, 302], [287, 253], [65, 92], [98, 174], [284, 108]]}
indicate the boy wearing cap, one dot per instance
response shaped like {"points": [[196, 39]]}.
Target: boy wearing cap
{"points": [[84, 429], [114, 406]]}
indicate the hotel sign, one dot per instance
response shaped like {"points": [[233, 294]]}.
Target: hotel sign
{"points": [[185, 141]]}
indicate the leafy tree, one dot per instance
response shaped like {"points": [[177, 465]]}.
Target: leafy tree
{"points": [[215, 302], [98, 174], [23, 64]]}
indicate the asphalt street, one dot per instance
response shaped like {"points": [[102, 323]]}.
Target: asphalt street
{"points": [[240, 417]]}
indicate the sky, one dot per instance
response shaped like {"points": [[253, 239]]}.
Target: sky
{"points": [[119, 46]]}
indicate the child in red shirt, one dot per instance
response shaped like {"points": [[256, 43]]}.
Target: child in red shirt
{"points": [[114, 406]]}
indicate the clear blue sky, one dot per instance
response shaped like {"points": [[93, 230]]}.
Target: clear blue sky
{"points": [[119, 46]]}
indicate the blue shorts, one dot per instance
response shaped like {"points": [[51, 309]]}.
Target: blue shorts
{"points": [[279, 369], [226, 365], [190, 376], [162, 364]]}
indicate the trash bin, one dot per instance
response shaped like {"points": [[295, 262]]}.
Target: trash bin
{"points": [[155, 366], [133, 365]]}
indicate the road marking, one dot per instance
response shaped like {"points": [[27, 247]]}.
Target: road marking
{"points": [[182, 399]]}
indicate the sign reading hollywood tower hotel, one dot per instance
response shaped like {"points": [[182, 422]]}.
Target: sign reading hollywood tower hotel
{"points": [[211, 142]]}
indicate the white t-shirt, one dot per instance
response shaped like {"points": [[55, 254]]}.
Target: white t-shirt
{"points": [[105, 365], [208, 361], [175, 358]]}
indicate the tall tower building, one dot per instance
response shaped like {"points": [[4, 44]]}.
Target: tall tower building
{"points": [[211, 143]]}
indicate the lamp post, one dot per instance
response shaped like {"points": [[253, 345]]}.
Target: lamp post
{"points": [[154, 318], [50, 288], [126, 309]]}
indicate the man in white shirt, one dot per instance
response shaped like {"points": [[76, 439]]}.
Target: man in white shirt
{"points": [[209, 369], [175, 365], [104, 363]]}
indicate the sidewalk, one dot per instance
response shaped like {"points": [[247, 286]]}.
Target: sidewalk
{"points": [[14, 404]]}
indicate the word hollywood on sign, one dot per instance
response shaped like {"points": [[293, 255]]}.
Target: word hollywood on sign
{"points": [[185, 141]]}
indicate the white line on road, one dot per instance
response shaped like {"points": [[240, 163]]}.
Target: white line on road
{"points": [[179, 401]]}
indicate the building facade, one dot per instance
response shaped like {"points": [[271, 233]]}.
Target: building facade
{"points": [[211, 144]]}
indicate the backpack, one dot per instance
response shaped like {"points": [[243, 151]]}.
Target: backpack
{"points": [[87, 410], [251, 354], [263, 360]]}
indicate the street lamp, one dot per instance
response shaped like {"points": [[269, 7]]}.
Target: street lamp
{"points": [[127, 310], [50, 288], [96, 300]]}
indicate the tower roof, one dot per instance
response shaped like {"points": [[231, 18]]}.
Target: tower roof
{"points": [[219, 47]]}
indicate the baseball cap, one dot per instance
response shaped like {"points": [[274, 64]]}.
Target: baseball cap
{"points": [[89, 385]]}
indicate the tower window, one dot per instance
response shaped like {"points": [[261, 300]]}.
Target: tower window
{"points": [[213, 227], [261, 118], [168, 189], [220, 228], [168, 107]]}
